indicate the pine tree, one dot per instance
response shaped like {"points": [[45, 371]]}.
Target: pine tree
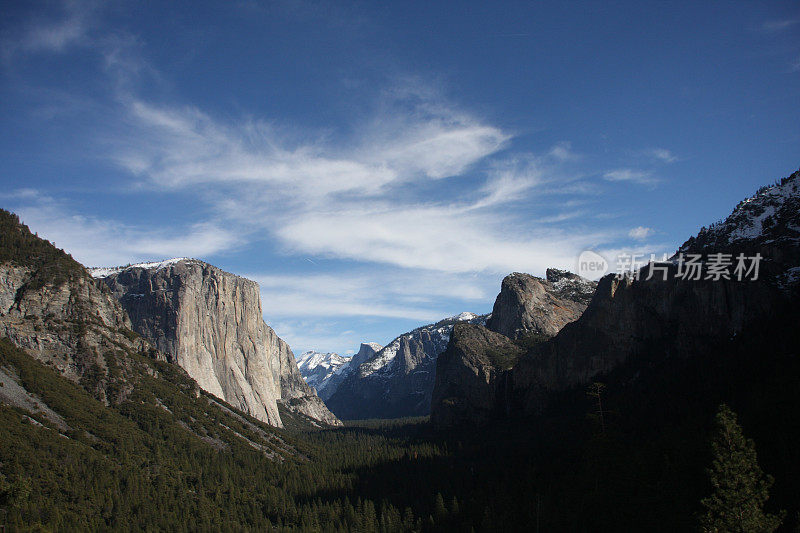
{"points": [[439, 510], [740, 486]]}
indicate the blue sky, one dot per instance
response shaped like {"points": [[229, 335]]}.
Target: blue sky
{"points": [[377, 166]]}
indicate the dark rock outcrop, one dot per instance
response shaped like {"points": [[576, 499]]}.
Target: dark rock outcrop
{"points": [[466, 377]]}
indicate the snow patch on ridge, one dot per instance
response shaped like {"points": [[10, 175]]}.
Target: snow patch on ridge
{"points": [[104, 272]]}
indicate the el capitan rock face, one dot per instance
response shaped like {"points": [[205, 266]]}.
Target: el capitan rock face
{"points": [[636, 319], [210, 323]]}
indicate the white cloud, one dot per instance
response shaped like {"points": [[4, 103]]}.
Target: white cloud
{"points": [[97, 242], [563, 152], [181, 147], [443, 238], [54, 35], [360, 198], [631, 175], [662, 154], [640, 233], [772, 26], [382, 292]]}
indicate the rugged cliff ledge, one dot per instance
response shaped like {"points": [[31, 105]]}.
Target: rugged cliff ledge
{"points": [[465, 389], [210, 323]]}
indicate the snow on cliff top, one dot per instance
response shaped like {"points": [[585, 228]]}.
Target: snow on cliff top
{"points": [[102, 272], [772, 214]]}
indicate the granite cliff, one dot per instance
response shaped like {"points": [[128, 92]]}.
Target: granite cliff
{"points": [[210, 323], [530, 305], [527, 311]]}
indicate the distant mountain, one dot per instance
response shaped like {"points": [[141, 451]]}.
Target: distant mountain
{"points": [[210, 323], [396, 380], [318, 369]]}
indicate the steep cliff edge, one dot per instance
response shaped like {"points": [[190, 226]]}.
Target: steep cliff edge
{"points": [[471, 375], [671, 315], [210, 323]]}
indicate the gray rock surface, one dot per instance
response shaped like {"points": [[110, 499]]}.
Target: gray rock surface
{"points": [[210, 323]]}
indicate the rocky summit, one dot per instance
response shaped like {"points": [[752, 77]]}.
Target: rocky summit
{"points": [[210, 323], [530, 305]]}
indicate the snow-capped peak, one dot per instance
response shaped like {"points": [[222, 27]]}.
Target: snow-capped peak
{"points": [[318, 368]]}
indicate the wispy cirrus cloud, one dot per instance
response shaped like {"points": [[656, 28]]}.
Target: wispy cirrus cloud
{"points": [[642, 177], [54, 34], [777, 25], [662, 155], [96, 241], [403, 294]]}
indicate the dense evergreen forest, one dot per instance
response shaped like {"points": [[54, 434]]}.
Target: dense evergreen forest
{"points": [[638, 463]]}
